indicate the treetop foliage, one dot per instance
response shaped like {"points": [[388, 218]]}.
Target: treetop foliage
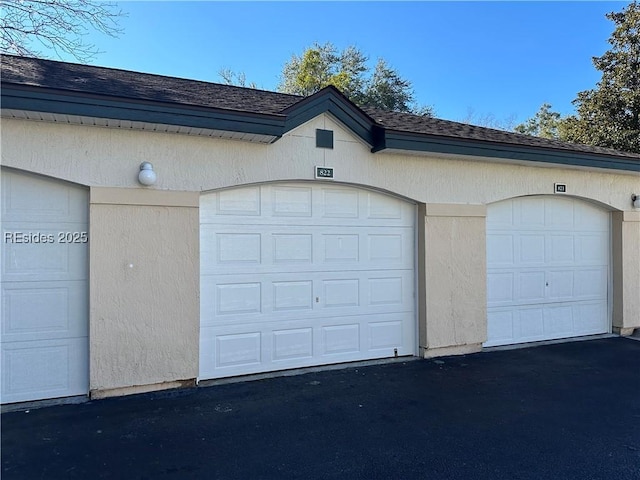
{"points": [[544, 123], [609, 114], [322, 65]]}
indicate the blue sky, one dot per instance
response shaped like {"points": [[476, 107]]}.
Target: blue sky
{"points": [[497, 59]]}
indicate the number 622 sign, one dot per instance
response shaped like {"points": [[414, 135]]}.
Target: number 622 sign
{"points": [[324, 172]]}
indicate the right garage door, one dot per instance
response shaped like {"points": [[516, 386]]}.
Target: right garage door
{"points": [[547, 269]]}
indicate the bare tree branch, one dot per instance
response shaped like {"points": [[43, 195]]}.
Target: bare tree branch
{"points": [[57, 25]]}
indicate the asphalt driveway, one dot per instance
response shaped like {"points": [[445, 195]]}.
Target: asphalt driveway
{"points": [[565, 411]]}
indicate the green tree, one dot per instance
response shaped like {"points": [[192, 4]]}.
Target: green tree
{"points": [[545, 123], [609, 115], [57, 25], [387, 90], [323, 65]]}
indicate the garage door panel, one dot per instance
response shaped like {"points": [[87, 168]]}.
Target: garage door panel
{"points": [[589, 218], [35, 370], [292, 295], [261, 249], [340, 339], [528, 216], [41, 310], [502, 216], [500, 251], [544, 322], [559, 275], [240, 202], [560, 285], [293, 344], [591, 283], [254, 347], [301, 221], [500, 324], [343, 292], [560, 249], [292, 248], [389, 290], [531, 249], [530, 323], [238, 349], [339, 203], [590, 313], [592, 249], [30, 199], [289, 201], [236, 299], [386, 335], [238, 248], [385, 207], [340, 247], [323, 274], [385, 248], [44, 333], [559, 321], [500, 288], [530, 287], [558, 215], [274, 204], [23, 262]]}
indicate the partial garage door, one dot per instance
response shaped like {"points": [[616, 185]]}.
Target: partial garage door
{"points": [[304, 274], [44, 288], [547, 269]]}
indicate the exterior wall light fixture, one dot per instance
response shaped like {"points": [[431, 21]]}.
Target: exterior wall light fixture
{"points": [[147, 176], [635, 200]]}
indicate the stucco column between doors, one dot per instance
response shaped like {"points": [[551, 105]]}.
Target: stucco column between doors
{"points": [[626, 272], [452, 279], [144, 297]]}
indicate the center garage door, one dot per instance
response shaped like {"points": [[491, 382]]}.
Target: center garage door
{"points": [[45, 307], [302, 274], [547, 269]]}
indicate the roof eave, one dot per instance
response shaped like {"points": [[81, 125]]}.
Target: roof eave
{"points": [[38, 99], [271, 126], [396, 140]]}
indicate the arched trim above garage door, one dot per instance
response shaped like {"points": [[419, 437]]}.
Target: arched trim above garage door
{"points": [[548, 269], [299, 274], [45, 310]]}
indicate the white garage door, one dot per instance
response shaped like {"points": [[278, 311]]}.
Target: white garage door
{"points": [[547, 269], [304, 274], [44, 289]]}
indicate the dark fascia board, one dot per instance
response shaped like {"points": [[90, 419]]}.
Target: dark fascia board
{"points": [[433, 144], [52, 101], [330, 100]]}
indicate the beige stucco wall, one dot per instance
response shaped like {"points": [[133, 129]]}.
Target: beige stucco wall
{"points": [[99, 156], [626, 271], [144, 289], [455, 279], [151, 310]]}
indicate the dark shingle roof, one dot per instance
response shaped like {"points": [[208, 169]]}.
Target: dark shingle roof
{"points": [[140, 86], [143, 87], [406, 122]]}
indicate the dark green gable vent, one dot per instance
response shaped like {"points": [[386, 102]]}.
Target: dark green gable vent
{"points": [[324, 138]]}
